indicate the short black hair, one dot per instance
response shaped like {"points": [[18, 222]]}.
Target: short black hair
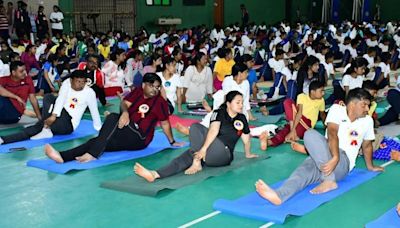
{"points": [[370, 85], [385, 57], [279, 52], [358, 94], [14, 65], [329, 55], [314, 85], [246, 58], [151, 78], [238, 68], [78, 74]]}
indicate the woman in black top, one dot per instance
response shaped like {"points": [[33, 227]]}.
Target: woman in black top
{"points": [[211, 147]]}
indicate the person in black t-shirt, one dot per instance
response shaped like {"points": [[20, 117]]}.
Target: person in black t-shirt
{"points": [[211, 146]]}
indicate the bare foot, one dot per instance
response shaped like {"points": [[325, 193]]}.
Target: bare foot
{"points": [[106, 113], [53, 154], [267, 193], [86, 157], [325, 186], [263, 140], [182, 129], [395, 155], [108, 104], [29, 113], [264, 110], [148, 175], [398, 209], [195, 168], [298, 147]]}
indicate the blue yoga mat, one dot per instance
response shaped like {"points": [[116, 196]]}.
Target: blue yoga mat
{"points": [[388, 220], [254, 207], [84, 129], [159, 143]]}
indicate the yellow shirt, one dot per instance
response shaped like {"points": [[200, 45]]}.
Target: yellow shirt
{"points": [[223, 68], [311, 108], [104, 51], [372, 108], [54, 48]]}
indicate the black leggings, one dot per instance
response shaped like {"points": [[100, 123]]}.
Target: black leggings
{"points": [[110, 138], [61, 126], [217, 153]]}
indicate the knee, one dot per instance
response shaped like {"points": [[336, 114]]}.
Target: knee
{"points": [[48, 98], [112, 117], [393, 94], [288, 102], [196, 127], [311, 135]]}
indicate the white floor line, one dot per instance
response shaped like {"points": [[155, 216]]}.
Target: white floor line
{"points": [[387, 163], [200, 219], [267, 225]]}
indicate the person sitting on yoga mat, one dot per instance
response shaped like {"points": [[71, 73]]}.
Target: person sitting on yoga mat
{"points": [[62, 115], [348, 129], [211, 147], [133, 129], [236, 82], [14, 92], [301, 117], [393, 114], [95, 77]]}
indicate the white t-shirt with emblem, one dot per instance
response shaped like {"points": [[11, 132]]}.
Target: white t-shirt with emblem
{"points": [[76, 102], [171, 86], [351, 134]]}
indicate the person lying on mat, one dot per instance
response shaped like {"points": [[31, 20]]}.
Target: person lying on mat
{"points": [[348, 129], [133, 129], [62, 115], [210, 147], [14, 92], [301, 117]]}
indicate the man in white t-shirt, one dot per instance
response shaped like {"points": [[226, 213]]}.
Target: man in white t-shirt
{"points": [[62, 115], [349, 128], [56, 19]]}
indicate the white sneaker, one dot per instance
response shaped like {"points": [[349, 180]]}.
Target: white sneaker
{"points": [[44, 134]]}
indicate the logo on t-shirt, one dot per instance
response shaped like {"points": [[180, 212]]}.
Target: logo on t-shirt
{"points": [[143, 109], [353, 137], [167, 84], [73, 103], [238, 125]]}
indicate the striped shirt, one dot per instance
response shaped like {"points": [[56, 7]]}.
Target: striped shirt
{"points": [[3, 22]]}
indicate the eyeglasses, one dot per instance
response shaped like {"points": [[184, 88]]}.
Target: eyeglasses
{"points": [[158, 88]]}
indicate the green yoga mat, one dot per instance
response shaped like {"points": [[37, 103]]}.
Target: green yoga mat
{"points": [[270, 119], [137, 185]]}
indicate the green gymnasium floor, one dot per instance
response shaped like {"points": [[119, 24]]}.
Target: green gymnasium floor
{"points": [[31, 197]]}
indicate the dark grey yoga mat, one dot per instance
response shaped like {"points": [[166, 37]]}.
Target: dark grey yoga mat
{"points": [[137, 185], [23, 122]]}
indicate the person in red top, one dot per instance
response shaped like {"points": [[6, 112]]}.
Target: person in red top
{"points": [[133, 129], [28, 57], [14, 92], [95, 77]]}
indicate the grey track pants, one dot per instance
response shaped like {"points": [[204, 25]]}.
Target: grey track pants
{"points": [[309, 171]]}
